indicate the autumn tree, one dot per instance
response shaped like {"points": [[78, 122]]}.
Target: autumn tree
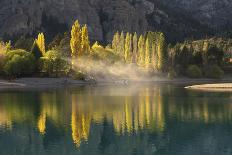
{"points": [[75, 42], [162, 53], [147, 52], [128, 48], [85, 45], [116, 43], [141, 51], [122, 44], [40, 41], [135, 47]]}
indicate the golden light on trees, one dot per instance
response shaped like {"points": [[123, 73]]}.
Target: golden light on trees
{"points": [[41, 43], [42, 123], [75, 42], [85, 45]]}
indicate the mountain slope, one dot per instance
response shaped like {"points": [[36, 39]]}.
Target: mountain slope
{"points": [[179, 19]]}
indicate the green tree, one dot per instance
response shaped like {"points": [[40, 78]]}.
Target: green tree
{"points": [[19, 63], [35, 50]]}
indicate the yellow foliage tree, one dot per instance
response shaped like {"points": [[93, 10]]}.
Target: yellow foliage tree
{"points": [[85, 40], [141, 53], [40, 41], [135, 48], [128, 48], [147, 53], [75, 42]]}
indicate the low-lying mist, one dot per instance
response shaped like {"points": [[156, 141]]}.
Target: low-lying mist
{"points": [[100, 70]]}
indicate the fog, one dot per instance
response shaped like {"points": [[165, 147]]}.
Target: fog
{"points": [[99, 70]]}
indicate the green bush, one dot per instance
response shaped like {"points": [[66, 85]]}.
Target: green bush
{"points": [[53, 64], [193, 71], [214, 72], [36, 51], [172, 74], [19, 63]]}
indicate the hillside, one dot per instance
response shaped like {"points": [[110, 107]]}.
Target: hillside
{"points": [[178, 19]]}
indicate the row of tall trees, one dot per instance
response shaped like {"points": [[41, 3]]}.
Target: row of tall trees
{"points": [[147, 50], [79, 42]]}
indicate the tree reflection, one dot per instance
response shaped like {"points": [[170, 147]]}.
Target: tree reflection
{"points": [[119, 111]]}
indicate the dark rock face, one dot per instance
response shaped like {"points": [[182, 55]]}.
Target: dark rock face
{"points": [[179, 18]]}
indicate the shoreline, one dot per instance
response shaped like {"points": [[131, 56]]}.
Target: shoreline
{"points": [[219, 87], [25, 83]]}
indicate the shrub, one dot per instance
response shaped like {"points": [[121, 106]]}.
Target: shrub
{"points": [[36, 51], [193, 71], [4, 47], [19, 63], [53, 63], [214, 72], [101, 53], [172, 74]]}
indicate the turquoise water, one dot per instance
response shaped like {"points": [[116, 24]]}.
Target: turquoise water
{"points": [[115, 120]]}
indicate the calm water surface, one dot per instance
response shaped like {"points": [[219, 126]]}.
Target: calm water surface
{"points": [[115, 120]]}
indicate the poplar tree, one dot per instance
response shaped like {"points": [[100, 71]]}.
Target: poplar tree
{"points": [[154, 56], [75, 42], [40, 41], [128, 48], [122, 44], [147, 53], [162, 55], [85, 47], [116, 42], [141, 51], [135, 47]]}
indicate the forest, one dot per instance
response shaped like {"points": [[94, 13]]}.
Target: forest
{"points": [[74, 55]]}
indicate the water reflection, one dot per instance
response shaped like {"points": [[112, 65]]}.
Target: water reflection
{"points": [[100, 116]]}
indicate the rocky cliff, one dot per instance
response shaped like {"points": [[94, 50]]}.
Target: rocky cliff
{"points": [[178, 18]]}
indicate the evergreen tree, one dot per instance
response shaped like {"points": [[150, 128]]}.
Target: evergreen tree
{"points": [[36, 51], [75, 42], [128, 48], [85, 40], [135, 47], [141, 51], [41, 43]]}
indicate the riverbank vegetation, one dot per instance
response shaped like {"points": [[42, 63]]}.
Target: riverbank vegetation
{"points": [[73, 54]]}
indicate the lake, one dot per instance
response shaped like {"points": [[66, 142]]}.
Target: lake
{"points": [[115, 120]]}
